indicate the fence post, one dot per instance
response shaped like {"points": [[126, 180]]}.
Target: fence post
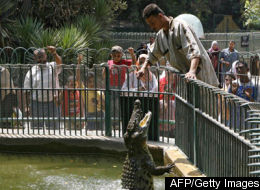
{"points": [[107, 104], [195, 105]]}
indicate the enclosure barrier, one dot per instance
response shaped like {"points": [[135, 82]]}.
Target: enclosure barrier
{"points": [[78, 100], [207, 124]]}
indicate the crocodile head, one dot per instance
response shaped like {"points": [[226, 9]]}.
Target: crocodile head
{"points": [[138, 125]]}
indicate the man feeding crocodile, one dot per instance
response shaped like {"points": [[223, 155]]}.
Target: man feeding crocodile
{"points": [[177, 41]]}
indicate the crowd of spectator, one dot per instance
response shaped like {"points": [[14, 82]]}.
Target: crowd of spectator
{"points": [[228, 62]]}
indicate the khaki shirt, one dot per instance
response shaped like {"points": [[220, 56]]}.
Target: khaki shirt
{"points": [[180, 47], [6, 82]]}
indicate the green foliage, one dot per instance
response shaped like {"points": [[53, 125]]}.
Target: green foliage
{"points": [[78, 26], [7, 10], [210, 12], [25, 30], [44, 38], [172, 8], [90, 27], [252, 14]]}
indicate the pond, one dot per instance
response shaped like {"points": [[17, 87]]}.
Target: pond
{"points": [[66, 172]]}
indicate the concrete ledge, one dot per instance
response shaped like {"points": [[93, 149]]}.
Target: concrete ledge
{"points": [[183, 167]]}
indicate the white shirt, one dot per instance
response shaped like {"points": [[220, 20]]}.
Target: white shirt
{"points": [[134, 83], [33, 80]]}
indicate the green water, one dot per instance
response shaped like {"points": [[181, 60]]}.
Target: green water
{"points": [[59, 172]]}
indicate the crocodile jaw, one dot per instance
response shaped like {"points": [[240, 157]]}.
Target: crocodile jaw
{"points": [[145, 122]]}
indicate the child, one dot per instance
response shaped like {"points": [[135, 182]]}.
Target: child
{"points": [[94, 100], [117, 74], [72, 105]]}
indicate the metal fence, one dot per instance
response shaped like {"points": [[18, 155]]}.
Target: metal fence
{"points": [[78, 100], [208, 122], [21, 55]]}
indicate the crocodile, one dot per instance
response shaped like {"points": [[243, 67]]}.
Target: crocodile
{"points": [[139, 166]]}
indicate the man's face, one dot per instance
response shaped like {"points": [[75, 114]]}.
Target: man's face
{"points": [[40, 56], [228, 80], [154, 21], [151, 40], [231, 45]]}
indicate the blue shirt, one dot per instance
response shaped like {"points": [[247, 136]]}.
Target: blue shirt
{"points": [[241, 90], [229, 56]]}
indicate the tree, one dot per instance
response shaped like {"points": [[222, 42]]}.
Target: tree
{"points": [[252, 14], [172, 8], [210, 12]]}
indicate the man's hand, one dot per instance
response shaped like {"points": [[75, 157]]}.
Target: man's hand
{"points": [[193, 68], [248, 92], [226, 63], [51, 49], [140, 73], [234, 88], [190, 75], [79, 58]]}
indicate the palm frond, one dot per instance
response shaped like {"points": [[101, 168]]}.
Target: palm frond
{"points": [[7, 9], [26, 29]]}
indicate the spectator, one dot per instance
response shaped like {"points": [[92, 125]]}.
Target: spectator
{"points": [[95, 104], [213, 52], [148, 82], [254, 65], [150, 44], [142, 49], [40, 81], [229, 77], [6, 83], [72, 104], [93, 99], [117, 74], [227, 57], [243, 86], [167, 104], [177, 41], [117, 70]]}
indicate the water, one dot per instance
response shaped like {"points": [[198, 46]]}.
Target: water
{"points": [[59, 172]]}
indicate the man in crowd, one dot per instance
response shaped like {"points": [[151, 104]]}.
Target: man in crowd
{"points": [[40, 81], [179, 44], [243, 87], [228, 56]]}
